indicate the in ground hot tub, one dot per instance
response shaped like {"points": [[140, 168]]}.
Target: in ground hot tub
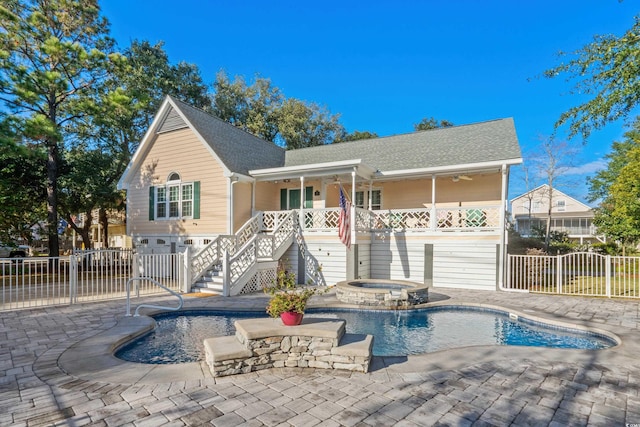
{"points": [[382, 293]]}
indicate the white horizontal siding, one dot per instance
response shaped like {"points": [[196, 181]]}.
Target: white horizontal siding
{"points": [[397, 259], [332, 258], [364, 261], [464, 265]]}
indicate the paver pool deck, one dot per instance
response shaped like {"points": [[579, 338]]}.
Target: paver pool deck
{"points": [[44, 381]]}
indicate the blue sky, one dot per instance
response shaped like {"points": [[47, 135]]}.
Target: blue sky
{"points": [[385, 65]]}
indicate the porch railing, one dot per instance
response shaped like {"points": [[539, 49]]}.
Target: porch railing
{"points": [[417, 219], [582, 273]]}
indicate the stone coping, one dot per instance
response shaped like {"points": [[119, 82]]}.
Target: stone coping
{"points": [[92, 358], [272, 327], [410, 286], [225, 348], [354, 345]]}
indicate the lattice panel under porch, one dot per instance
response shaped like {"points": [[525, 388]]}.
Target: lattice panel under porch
{"points": [[260, 280]]}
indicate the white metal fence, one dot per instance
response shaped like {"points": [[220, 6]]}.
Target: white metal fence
{"points": [[580, 273], [85, 276]]}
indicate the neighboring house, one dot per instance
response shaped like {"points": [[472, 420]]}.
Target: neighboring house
{"points": [[429, 206], [530, 211], [117, 230]]}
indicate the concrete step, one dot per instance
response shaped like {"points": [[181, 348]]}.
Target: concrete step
{"points": [[208, 287]]}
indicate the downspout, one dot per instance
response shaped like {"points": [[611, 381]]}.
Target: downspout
{"points": [[230, 212], [230, 207], [253, 198]]}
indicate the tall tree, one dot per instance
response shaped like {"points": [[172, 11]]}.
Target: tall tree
{"points": [[110, 137], [356, 136], [608, 71], [263, 110], [551, 161], [54, 55], [617, 188], [431, 123], [21, 167], [254, 108], [303, 124]]}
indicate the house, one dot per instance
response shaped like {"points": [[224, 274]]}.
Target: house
{"points": [[428, 206], [530, 211]]}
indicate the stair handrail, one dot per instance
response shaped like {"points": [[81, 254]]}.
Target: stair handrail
{"points": [[282, 234], [209, 255], [212, 253], [249, 229], [159, 307], [233, 274]]}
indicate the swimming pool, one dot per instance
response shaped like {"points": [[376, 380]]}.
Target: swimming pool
{"points": [[179, 336]]}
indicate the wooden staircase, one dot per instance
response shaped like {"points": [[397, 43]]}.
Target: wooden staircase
{"points": [[228, 263]]}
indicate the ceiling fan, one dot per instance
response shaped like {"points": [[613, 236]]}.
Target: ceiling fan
{"points": [[457, 178]]}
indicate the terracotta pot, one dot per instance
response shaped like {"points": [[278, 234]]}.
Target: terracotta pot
{"points": [[291, 318]]}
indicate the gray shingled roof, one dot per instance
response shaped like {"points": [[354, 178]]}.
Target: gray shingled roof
{"points": [[475, 143], [239, 150]]}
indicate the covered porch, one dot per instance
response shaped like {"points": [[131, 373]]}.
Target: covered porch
{"points": [[455, 200]]}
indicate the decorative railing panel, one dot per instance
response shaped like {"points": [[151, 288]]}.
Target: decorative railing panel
{"points": [[284, 230], [364, 219], [242, 261], [272, 219], [468, 218], [248, 230], [265, 246], [321, 219], [405, 219]]}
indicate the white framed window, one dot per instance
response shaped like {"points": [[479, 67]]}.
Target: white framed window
{"points": [[175, 199], [362, 199], [560, 204]]}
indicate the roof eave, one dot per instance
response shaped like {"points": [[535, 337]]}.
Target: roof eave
{"points": [[123, 182], [316, 169], [450, 169]]}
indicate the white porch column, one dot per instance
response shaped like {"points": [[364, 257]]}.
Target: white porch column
{"points": [[503, 228], [301, 213], [370, 197], [353, 207], [434, 213]]}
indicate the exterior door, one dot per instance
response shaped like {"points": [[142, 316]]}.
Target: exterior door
{"points": [[294, 198]]}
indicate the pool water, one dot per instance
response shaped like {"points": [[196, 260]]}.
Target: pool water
{"points": [[179, 337]]}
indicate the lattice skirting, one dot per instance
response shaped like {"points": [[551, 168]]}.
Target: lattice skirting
{"points": [[260, 280]]}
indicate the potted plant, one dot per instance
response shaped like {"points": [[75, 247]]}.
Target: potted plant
{"points": [[288, 301]]}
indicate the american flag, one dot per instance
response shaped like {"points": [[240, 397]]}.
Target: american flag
{"points": [[344, 222]]}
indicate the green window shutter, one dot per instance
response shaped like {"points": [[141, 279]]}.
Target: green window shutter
{"points": [[283, 199], [308, 197], [196, 200], [152, 202]]}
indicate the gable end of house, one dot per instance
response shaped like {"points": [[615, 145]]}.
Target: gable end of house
{"points": [[172, 121]]}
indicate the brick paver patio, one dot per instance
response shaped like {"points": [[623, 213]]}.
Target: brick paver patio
{"points": [[477, 386]]}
